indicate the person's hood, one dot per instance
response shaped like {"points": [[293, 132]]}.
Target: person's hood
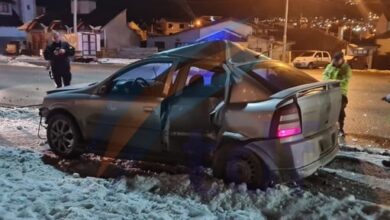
{"points": [[72, 87]]}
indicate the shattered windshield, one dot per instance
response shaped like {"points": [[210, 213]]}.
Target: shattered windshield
{"points": [[278, 76]]}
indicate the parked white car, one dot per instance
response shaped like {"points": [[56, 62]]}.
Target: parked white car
{"points": [[312, 59]]}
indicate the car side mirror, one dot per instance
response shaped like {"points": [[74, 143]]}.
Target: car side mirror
{"points": [[102, 90]]}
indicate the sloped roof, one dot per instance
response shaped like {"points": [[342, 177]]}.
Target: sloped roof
{"points": [[218, 51], [103, 15], [65, 17], [207, 25]]}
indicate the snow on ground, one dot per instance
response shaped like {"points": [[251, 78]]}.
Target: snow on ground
{"points": [[28, 58], [371, 181], [116, 61], [32, 189], [22, 63], [19, 127], [4, 58]]}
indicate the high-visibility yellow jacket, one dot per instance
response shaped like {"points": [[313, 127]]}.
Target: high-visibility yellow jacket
{"points": [[342, 73]]}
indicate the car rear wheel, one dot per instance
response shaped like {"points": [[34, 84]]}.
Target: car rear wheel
{"points": [[240, 165], [64, 136], [310, 66]]}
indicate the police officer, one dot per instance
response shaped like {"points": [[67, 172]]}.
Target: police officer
{"points": [[58, 53], [340, 70]]}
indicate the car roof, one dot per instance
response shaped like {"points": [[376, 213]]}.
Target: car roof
{"points": [[218, 51]]}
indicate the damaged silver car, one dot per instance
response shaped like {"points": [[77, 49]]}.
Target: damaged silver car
{"points": [[216, 104]]}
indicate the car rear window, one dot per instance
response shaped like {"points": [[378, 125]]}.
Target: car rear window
{"points": [[277, 76]]}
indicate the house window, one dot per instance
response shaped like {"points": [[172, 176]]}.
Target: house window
{"points": [[182, 26], [28, 7], [170, 25], [5, 8]]}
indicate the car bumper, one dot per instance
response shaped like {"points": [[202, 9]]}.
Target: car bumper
{"points": [[43, 112], [300, 64], [298, 157]]}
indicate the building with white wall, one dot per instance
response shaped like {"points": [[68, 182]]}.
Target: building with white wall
{"points": [[227, 29], [26, 9], [12, 14]]}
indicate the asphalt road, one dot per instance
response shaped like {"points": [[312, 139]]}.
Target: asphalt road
{"points": [[26, 86], [368, 118]]}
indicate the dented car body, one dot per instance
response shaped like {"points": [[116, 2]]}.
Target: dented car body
{"points": [[217, 104]]}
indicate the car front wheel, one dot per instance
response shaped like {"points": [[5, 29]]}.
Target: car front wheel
{"points": [[63, 136]]}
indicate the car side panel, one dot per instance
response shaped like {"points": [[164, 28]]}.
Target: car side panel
{"points": [[250, 120]]}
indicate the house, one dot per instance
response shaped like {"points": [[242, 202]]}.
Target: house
{"points": [[38, 31], [383, 24], [268, 45], [382, 57], [102, 31], [363, 51], [12, 14], [26, 9], [226, 29], [167, 26], [383, 41], [113, 30]]}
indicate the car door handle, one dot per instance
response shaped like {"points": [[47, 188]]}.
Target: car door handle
{"points": [[148, 109]]}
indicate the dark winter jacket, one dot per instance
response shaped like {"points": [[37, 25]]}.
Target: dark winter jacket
{"points": [[60, 61]]}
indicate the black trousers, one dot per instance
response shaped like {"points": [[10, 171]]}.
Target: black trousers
{"points": [[344, 102], [62, 76]]}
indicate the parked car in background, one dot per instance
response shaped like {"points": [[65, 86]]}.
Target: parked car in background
{"points": [[312, 59], [252, 119]]}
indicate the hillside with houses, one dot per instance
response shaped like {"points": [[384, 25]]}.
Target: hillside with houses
{"points": [[26, 27]]}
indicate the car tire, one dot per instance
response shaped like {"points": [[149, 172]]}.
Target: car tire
{"points": [[239, 165], [64, 136], [310, 66]]}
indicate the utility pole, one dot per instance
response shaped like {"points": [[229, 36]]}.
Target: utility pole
{"points": [[75, 16], [285, 32]]}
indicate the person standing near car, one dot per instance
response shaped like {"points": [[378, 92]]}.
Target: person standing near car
{"points": [[340, 70], [58, 53]]}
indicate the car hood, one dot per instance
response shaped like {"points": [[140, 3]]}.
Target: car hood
{"points": [[72, 87]]}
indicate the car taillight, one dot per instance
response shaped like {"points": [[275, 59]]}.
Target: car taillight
{"points": [[287, 121]]}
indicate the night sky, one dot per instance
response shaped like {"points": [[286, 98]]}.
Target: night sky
{"points": [[148, 9]]}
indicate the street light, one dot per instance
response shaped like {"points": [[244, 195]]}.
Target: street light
{"points": [[75, 16], [285, 32]]}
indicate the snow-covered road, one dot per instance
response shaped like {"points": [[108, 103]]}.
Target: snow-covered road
{"points": [[34, 184]]}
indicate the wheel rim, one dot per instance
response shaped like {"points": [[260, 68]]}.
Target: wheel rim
{"points": [[62, 136], [240, 171]]}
